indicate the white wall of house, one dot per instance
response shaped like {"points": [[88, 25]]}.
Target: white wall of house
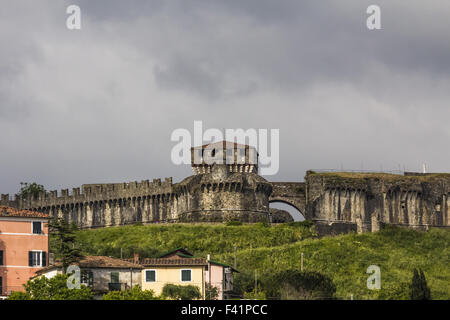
{"points": [[50, 274], [102, 277], [217, 277]]}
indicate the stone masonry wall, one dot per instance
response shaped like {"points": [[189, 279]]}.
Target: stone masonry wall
{"points": [[199, 198], [371, 200]]}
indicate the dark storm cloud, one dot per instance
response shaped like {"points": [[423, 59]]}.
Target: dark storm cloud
{"points": [[99, 104]]}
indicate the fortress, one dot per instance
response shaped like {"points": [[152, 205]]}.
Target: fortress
{"points": [[232, 190]]}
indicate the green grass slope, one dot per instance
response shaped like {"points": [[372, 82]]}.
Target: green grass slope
{"points": [[200, 239], [343, 258]]}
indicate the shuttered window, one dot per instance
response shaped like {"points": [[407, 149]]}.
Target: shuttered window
{"points": [[114, 277], [186, 275], [37, 258], [37, 227], [150, 275]]}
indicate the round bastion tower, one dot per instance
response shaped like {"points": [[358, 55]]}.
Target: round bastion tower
{"points": [[225, 185]]}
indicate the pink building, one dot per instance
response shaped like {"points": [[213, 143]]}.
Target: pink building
{"points": [[23, 247], [220, 275]]}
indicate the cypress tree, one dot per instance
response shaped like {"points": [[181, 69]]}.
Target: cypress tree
{"points": [[419, 287]]}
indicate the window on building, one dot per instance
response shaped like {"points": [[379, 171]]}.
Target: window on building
{"points": [[114, 277], [37, 227], [186, 275], [37, 258], [34, 258], [1, 257], [150, 275], [87, 278]]}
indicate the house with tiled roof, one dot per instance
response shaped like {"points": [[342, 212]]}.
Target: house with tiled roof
{"points": [[23, 247], [180, 267], [101, 273]]}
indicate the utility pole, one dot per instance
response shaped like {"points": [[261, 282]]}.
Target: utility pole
{"points": [[120, 253], [301, 262], [209, 274], [256, 281], [235, 259]]}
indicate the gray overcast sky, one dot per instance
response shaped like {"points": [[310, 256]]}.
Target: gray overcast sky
{"points": [[99, 104]]}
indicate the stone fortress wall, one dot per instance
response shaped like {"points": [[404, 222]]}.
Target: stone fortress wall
{"points": [[199, 198], [220, 191], [336, 202], [342, 202], [101, 205]]}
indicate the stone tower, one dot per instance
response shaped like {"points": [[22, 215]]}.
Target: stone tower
{"points": [[225, 185], [236, 157]]}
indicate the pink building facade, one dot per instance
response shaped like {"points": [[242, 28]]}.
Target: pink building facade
{"points": [[23, 247], [220, 275]]}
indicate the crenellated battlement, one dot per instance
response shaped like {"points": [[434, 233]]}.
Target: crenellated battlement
{"points": [[90, 193], [240, 196]]}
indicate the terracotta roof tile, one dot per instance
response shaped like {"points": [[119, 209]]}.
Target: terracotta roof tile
{"points": [[106, 262], [96, 262], [13, 212], [147, 262]]}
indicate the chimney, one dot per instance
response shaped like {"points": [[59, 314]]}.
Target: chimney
{"points": [[136, 257], [208, 257]]}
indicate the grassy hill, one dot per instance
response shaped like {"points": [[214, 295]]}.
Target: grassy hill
{"points": [[343, 258]]}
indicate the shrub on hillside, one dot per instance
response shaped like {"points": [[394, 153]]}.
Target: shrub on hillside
{"points": [[253, 295], [134, 293], [42, 288], [243, 282], [177, 292], [211, 292], [297, 285]]}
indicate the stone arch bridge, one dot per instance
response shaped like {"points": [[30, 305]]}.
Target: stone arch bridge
{"points": [[291, 193]]}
